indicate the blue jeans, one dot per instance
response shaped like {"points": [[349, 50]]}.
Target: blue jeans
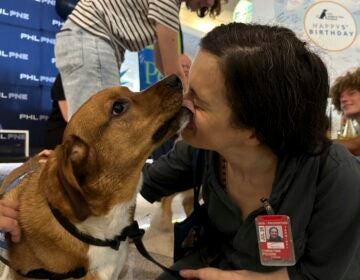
{"points": [[87, 64]]}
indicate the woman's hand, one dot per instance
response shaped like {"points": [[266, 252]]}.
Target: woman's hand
{"points": [[8, 214], [216, 274], [207, 273]]}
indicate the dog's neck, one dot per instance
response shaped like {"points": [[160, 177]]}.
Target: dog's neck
{"points": [[120, 216]]}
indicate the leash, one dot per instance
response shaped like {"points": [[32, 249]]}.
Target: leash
{"points": [[136, 235], [132, 231]]}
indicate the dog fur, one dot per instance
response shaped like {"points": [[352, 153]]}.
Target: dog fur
{"points": [[92, 178], [163, 219]]}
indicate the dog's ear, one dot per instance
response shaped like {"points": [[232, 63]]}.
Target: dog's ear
{"points": [[72, 161]]}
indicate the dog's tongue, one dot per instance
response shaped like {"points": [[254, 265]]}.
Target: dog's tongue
{"points": [[189, 105]]}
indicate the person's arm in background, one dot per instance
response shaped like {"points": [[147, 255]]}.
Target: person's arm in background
{"points": [[166, 52], [63, 109], [8, 213], [353, 145]]}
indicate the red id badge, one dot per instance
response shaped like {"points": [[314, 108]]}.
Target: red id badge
{"points": [[275, 240]]}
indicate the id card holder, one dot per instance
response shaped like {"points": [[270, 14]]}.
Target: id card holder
{"points": [[275, 240]]}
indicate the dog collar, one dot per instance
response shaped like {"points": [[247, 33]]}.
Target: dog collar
{"points": [[131, 231]]}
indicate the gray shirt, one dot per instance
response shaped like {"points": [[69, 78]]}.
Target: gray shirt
{"points": [[324, 209]]}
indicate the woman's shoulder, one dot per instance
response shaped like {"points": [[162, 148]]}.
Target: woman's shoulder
{"points": [[339, 157], [341, 169]]}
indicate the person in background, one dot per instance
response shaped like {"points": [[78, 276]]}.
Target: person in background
{"points": [[274, 235], [345, 95], [56, 123], [259, 97], [90, 47], [185, 63]]}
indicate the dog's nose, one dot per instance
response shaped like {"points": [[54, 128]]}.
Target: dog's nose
{"points": [[173, 81]]}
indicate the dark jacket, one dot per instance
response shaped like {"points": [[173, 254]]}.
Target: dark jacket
{"points": [[324, 209]]}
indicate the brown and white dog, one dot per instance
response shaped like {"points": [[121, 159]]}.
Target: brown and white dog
{"points": [[92, 179]]}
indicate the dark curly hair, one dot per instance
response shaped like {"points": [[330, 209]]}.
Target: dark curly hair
{"points": [[351, 80], [213, 11], [274, 85]]}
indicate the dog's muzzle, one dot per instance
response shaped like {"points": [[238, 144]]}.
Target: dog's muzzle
{"points": [[174, 82]]}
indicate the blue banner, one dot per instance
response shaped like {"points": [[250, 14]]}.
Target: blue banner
{"points": [[27, 68], [25, 108], [147, 70], [50, 20], [21, 13], [48, 70], [20, 56]]}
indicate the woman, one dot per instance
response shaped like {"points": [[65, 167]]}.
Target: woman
{"points": [[91, 45], [259, 97], [56, 124]]}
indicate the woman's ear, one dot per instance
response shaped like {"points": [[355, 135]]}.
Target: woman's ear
{"points": [[252, 139]]}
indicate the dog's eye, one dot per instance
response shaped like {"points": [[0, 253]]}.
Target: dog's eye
{"points": [[119, 107]]}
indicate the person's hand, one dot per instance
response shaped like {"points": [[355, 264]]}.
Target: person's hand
{"points": [[44, 155], [216, 274], [8, 214], [210, 274]]}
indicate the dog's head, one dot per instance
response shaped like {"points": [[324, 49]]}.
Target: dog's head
{"points": [[109, 138]]}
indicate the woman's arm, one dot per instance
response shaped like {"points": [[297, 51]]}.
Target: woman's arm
{"points": [[63, 109], [169, 174], [333, 234], [216, 274]]}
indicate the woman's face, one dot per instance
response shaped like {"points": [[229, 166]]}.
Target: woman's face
{"points": [[350, 102], [195, 5], [210, 128]]}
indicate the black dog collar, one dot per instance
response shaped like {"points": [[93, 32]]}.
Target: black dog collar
{"points": [[131, 231]]}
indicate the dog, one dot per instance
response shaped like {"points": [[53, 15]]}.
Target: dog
{"points": [[163, 218], [90, 181]]}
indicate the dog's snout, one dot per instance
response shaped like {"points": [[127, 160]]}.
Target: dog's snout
{"points": [[173, 81]]}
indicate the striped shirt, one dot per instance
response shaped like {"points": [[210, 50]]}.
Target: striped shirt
{"points": [[126, 24]]}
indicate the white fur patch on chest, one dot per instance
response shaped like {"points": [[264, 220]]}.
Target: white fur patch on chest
{"points": [[105, 261]]}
